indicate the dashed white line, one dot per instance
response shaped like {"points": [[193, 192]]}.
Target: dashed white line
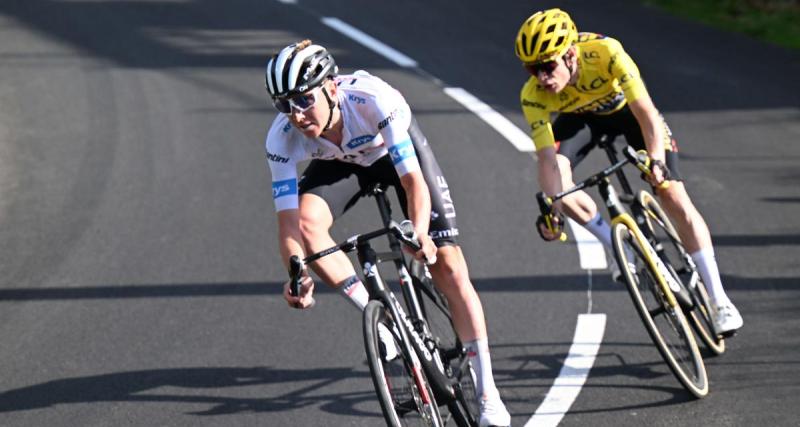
{"points": [[519, 139], [370, 42]]}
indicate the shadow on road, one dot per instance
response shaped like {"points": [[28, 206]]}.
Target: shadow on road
{"points": [[557, 283], [199, 386]]}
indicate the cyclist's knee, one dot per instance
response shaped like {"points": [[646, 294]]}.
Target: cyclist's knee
{"points": [[677, 203], [451, 269], [314, 220], [675, 197]]}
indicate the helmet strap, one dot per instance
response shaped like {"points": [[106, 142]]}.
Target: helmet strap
{"points": [[331, 106], [569, 57]]}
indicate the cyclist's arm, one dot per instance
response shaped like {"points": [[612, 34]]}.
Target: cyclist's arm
{"points": [[290, 241], [419, 201], [282, 159], [625, 70], [419, 211], [651, 124], [537, 114], [549, 171]]}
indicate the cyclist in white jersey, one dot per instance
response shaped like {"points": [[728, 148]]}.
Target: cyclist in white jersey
{"points": [[357, 130]]}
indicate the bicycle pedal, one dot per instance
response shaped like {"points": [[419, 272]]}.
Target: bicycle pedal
{"points": [[729, 334]]}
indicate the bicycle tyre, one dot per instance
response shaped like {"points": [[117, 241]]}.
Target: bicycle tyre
{"points": [[404, 393], [464, 409], [667, 325], [675, 255]]}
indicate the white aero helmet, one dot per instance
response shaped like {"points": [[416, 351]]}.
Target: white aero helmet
{"points": [[298, 68]]}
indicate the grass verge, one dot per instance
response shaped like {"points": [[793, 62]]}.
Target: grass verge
{"points": [[774, 21]]}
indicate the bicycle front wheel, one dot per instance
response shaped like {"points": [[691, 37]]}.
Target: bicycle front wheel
{"points": [[464, 409], [666, 324], [672, 251], [403, 390]]}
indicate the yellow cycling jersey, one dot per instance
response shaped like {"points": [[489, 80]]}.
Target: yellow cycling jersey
{"points": [[607, 79]]}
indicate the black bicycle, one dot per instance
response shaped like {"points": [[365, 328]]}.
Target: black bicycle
{"points": [[656, 290], [416, 360]]}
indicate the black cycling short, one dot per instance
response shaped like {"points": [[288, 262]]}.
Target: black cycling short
{"points": [[622, 122], [341, 184]]}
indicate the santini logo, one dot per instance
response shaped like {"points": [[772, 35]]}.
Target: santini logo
{"points": [[276, 158]]}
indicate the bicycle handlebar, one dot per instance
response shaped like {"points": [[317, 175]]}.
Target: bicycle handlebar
{"points": [[296, 266], [546, 208], [643, 161], [404, 232]]}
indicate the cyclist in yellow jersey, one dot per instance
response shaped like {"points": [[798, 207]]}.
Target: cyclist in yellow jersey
{"points": [[587, 79]]}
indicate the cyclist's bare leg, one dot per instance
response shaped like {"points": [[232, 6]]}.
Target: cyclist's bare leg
{"points": [[690, 225], [451, 277], [316, 220], [696, 237]]}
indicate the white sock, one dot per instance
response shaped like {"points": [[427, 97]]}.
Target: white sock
{"points": [[355, 292], [600, 229], [478, 353], [709, 272]]}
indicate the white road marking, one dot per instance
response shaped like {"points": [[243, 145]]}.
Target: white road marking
{"points": [[370, 42], [585, 345], [519, 139], [590, 250]]}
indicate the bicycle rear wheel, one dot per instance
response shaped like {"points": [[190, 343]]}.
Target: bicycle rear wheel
{"points": [[667, 325], [674, 254], [403, 390], [464, 410]]}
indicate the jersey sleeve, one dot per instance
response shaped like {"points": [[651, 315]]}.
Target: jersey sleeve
{"points": [[622, 67], [282, 159], [537, 115], [394, 119]]}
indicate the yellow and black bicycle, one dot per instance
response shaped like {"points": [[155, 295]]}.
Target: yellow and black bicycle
{"points": [[655, 286]]}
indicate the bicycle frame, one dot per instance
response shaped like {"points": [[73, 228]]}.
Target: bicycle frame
{"points": [[606, 142], [416, 340], [414, 321]]}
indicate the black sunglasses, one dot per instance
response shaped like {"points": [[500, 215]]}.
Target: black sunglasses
{"points": [[542, 67]]}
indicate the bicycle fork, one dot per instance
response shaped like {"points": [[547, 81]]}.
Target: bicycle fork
{"points": [[668, 284]]}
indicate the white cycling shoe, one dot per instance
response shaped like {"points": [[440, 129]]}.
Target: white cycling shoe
{"points": [[727, 320], [494, 413], [388, 348]]}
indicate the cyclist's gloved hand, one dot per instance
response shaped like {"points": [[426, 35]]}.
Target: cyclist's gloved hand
{"points": [[305, 299], [555, 229], [656, 173]]}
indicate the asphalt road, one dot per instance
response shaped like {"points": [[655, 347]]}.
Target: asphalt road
{"points": [[139, 276]]}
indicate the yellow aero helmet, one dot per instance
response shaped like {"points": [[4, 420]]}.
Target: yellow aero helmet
{"points": [[545, 36]]}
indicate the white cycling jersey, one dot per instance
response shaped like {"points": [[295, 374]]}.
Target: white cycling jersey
{"points": [[376, 119]]}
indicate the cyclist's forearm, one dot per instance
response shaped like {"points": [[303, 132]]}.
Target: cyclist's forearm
{"points": [[290, 239], [419, 201], [650, 122], [549, 173]]}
